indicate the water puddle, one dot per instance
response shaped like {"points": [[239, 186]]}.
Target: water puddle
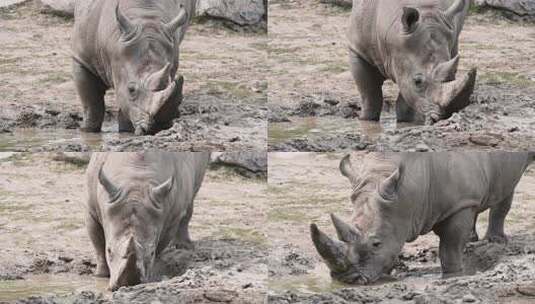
{"points": [[315, 127], [30, 138], [50, 285]]}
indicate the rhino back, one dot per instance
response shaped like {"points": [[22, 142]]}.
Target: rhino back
{"points": [[96, 30]]}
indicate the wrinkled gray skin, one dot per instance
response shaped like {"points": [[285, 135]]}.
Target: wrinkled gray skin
{"points": [[138, 204], [400, 196], [132, 47], [415, 44]]}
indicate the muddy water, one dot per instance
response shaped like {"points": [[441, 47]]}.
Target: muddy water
{"points": [[315, 127], [28, 139], [50, 285]]}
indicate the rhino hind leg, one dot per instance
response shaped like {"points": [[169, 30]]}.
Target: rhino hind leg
{"points": [[183, 238], [404, 113], [495, 231], [454, 232], [369, 82], [91, 91], [96, 234]]}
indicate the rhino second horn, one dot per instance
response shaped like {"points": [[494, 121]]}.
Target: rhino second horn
{"points": [[173, 26], [107, 184], [346, 232], [159, 80], [125, 25], [332, 251], [162, 190], [455, 8], [446, 71]]}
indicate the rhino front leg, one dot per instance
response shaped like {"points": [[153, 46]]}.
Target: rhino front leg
{"points": [[474, 237], [404, 113], [96, 234], [454, 233], [495, 232], [369, 82], [91, 91], [183, 238]]}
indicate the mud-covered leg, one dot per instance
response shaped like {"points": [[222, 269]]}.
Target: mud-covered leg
{"points": [[404, 112], [96, 234], [91, 91], [474, 237], [454, 233], [369, 82], [125, 125], [495, 232], [183, 238]]}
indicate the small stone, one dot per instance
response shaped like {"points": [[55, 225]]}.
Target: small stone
{"points": [[469, 298], [513, 129], [331, 101], [422, 147]]}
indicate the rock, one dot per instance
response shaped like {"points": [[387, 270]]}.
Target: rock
{"points": [[421, 147], [64, 8], [521, 8], [221, 296], [255, 162], [469, 298], [242, 12], [342, 3]]}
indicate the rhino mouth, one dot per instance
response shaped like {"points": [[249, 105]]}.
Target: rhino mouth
{"points": [[453, 96]]}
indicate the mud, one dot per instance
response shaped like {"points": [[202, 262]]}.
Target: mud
{"points": [[314, 103], [306, 187], [47, 256], [222, 109]]}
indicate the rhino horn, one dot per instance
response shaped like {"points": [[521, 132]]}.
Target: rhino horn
{"points": [[332, 251], [455, 95], [446, 71], [159, 80], [182, 17], [125, 25], [107, 184], [388, 188], [346, 232], [455, 8], [346, 168]]}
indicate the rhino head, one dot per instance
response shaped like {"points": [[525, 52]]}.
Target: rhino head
{"points": [[424, 61], [133, 219], [144, 67], [366, 250]]}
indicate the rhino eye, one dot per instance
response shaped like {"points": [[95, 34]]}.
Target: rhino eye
{"points": [[376, 244], [132, 89], [418, 80]]}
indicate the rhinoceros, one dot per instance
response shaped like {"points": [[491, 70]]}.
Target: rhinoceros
{"points": [[398, 197], [415, 44], [131, 46], [138, 204]]}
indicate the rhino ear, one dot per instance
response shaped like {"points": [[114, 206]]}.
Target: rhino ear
{"points": [[347, 170], [163, 190], [110, 188], [388, 189], [180, 19], [410, 19]]}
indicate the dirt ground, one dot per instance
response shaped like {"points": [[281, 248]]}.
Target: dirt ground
{"points": [[46, 252], [225, 96], [314, 102], [306, 187]]}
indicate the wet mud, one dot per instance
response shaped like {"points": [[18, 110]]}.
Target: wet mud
{"points": [[48, 258], [314, 103], [222, 110], [494, 273]]}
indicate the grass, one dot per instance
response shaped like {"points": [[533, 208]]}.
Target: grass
{"points": [[244, 234], [497, 78]]}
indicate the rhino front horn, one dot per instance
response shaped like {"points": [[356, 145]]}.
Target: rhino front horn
{"points": [[182, 17], [125, 25], [332, 251], [346, 232]]}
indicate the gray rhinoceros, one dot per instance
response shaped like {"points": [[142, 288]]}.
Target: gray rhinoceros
{"points": [[132, 47], [415, 44], [138, 204], [398, 197]]}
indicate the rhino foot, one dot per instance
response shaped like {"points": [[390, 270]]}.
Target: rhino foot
{"points": [[102, 271], [497, 238], [91, 129], [185, 245]]}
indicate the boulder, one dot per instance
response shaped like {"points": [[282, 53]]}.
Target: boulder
{"points": [[515, 9], [251, 162], [63, 8], [242, 12]]}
